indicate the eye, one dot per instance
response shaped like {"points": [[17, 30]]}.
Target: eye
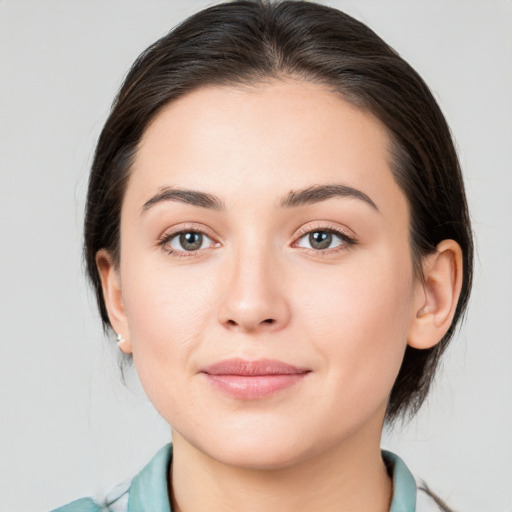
{"points": [[187, 241], [322, 239]]}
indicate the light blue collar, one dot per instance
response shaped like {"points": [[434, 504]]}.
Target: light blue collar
{"points": [[404, 485], [148, 491]]}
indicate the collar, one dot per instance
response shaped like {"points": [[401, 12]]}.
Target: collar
{"points": [[404, 485], [148, 491]]}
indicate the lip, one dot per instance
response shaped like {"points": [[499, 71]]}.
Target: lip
{"points": [[252, 380]]}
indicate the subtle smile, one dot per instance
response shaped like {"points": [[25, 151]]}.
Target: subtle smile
{"points": [[251, 380]]}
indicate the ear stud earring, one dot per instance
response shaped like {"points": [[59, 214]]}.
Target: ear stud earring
{"points": [[120, 339], [423, 311]]}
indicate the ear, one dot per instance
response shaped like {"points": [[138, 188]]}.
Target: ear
{"points": [[437, 296], [112, 295]]}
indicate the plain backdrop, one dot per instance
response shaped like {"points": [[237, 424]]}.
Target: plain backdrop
{"points": [[68, 426]]}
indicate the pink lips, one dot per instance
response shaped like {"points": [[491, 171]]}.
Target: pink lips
{"points": [[250, 380]]}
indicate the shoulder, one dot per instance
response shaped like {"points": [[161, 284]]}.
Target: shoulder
{"points": [[115, 501], [147, 491], [409, 495], [83, 505]]}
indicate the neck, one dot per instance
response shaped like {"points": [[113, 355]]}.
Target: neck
{"points": [[344, 478]]}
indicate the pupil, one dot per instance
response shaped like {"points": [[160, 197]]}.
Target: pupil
{"points": [[191, 241], [320, 239]]}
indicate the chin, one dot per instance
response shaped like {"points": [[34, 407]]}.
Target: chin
{"points": [[258, 447], [261, 455], [264, 447]]}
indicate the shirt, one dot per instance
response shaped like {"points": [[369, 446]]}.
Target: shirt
{"points": [[147, 491]]}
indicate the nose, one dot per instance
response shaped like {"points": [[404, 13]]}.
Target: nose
{"points": [[254, 295]]}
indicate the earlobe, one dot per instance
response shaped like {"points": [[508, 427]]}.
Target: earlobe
{"points": [[438, 295], [112, 295]]}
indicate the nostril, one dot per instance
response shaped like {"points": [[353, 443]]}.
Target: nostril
{"points": [[248, 324]]}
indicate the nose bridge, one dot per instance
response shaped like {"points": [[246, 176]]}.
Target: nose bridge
{"points": [[254, 297]]}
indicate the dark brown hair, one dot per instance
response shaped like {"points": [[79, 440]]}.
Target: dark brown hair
{"points": [[248, 42]]}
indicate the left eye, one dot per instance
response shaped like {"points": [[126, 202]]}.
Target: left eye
{"points": [[320, 240], [189, 241]]}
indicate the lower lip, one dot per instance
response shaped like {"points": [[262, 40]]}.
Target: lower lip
{"points": [[255, 386]]}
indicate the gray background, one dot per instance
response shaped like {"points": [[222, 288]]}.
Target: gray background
{"points": [[68, 426]]}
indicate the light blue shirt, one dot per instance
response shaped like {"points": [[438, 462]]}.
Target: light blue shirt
{"points": [[147, 492]]}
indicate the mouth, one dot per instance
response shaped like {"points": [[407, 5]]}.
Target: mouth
{"points": [[252, 380]]}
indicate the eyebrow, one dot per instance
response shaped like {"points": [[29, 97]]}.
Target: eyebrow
{"points": [[317, 193], [295, 198], [192, 197]]}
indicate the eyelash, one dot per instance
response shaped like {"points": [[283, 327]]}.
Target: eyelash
{"points": [[167, 237], [347, 241]]}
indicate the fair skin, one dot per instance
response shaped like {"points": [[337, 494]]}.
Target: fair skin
{"points": [[323, 284]]}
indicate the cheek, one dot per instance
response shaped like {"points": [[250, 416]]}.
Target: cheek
{"points": [[167, 310], [165, 300], [359, 322]]}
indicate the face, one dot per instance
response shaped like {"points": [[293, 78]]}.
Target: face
{"points": [[266, 283]]}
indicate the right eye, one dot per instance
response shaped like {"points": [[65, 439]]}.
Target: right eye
{"points": [[188, 241]]}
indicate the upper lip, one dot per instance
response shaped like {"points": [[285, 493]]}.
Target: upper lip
{"points": [[252, 368]]}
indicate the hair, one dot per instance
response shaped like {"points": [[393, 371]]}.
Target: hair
{"points": [[246, 43]]}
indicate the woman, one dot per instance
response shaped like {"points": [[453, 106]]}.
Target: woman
{"points": [[277, 232]]}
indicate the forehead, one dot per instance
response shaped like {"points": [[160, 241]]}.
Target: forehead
{"points": [[266, 140]]}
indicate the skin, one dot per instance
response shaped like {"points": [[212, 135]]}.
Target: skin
{"points": [[258, 289]]}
